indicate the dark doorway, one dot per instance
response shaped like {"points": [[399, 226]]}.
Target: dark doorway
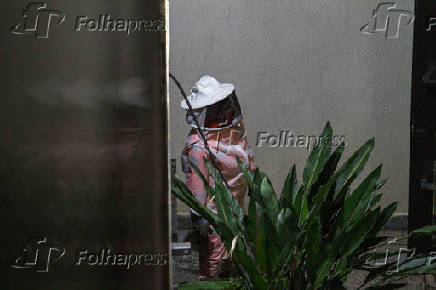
{"points": [[423, 123]]}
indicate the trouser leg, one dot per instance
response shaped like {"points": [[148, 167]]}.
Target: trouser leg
{"points": [[211, 249]]}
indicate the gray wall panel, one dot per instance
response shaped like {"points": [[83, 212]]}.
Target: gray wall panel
{"points": [[297, 64]]}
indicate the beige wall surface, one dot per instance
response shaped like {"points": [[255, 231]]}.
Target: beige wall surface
{"points": [[295, 65]]}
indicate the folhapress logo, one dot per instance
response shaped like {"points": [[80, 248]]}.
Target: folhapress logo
{"points": [[388, 20], [37, 254], [38, 20], [431, 24]]}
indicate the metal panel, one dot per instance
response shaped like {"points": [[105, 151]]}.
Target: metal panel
{"points": [[83, 150]]}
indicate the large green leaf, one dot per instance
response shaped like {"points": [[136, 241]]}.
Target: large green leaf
{"points": [[358, 201], [347, 243], [206, 184], [322, 273], [260, 240], [286, 226], [289, 190], [251, 225], [317, 159], [427, 230], [347, 173], [257, 181], [325, 206], [288, 235], [411, 266], [357, 234], [354, 165], [224, 209], [247, 173], [269, 200], [313, 248], [181, 191], [304, 209], [229, 204], [383, 218], [327, 171], [246, 262], [272, 246]]}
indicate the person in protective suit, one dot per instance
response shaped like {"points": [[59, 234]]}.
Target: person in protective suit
{"points": [[219, 115]]}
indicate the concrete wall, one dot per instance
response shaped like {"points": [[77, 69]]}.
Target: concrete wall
{"points": [[297, 64]]}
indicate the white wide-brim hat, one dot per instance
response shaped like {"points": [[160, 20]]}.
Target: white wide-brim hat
{"points": [[207, 91]]}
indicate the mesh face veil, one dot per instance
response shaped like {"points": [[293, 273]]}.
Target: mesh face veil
{"points": [[223, 114]]}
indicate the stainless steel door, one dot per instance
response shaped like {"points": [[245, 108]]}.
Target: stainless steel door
{"points": [[83, 148]]}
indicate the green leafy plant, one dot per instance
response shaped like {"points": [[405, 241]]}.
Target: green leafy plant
{"points": [[314, 235]]}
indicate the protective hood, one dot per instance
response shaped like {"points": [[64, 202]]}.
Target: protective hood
{"points": [[223, 114]]}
